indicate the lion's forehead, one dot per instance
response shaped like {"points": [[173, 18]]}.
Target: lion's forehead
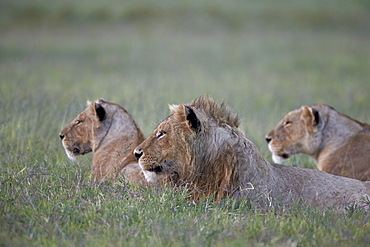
{"points": [[84, 114], [296, 128], [293, 115], [167, 125], [78, 130], [164, 146]]}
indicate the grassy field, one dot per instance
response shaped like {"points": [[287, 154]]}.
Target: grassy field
{"points": [[263, 58]]}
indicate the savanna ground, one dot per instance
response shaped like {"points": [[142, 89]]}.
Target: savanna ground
{"points": [[263, 58]]}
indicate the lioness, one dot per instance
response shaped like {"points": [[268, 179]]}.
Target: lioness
{"points": [[200, 146], [110, 132], [338, 144]]}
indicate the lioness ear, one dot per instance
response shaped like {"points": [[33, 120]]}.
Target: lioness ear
{"points": [[316, 116], [194, 122], [101, 100], [310, 116], [100, 112]]}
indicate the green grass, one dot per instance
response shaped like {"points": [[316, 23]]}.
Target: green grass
{"points": [[262, 58]]}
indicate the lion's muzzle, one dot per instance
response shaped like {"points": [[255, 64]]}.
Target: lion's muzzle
{"points": [[156, 169], [76, 151]]}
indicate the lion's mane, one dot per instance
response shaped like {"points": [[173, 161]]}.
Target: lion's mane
{"points": [[220, 162]]}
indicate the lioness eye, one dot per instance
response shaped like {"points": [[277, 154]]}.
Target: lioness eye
{"points": [[78, 122], [161, 134], [287, 123]]}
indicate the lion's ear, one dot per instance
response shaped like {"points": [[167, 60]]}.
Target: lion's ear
{"points": [[192, 119], [310, 116], [184, 113], [101, 100], [316, 116], [100, 112]]}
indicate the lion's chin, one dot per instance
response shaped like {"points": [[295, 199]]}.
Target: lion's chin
{"points": [[151, 177], [70, 155], [278, 159]]}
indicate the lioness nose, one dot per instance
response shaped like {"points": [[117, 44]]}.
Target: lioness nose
{"points": [[61, 136], [268, 139], [138, 153]]}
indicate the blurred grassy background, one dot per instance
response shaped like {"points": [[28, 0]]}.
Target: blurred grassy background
{"points": [[263, 58]]}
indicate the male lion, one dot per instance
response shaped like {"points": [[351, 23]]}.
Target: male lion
{"points": [[339, 144], [200, 146], [110, 132]]}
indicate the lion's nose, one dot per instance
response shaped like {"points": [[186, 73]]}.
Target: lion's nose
{"points": [[61, 136], [268, 139], [138, 153]]}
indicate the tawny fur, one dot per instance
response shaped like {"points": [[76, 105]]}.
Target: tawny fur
{"points": [[111, 139], [200, 146], [337, 143]]}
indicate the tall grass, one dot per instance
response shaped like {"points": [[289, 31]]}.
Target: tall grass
{"points": [[262, 58]]}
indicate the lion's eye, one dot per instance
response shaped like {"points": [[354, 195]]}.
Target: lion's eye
{"points": [[286, 123], [161, 134], [78, 122]]}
